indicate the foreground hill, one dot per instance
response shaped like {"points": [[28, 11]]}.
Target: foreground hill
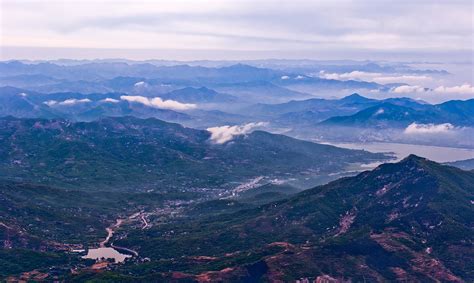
{"points": [[409, 221], [40, 224], [133, 153], [39, 217]]}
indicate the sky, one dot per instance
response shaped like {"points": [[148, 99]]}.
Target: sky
{"points": [[237, 29]]}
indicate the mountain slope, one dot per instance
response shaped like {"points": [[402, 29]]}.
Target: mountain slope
{"points": [[40, 225], [39, 217], [198, 95], [122, 108], [412, 221], [458, 109], [20, 103], [396, 113], [312, 111], [258, 91], [383, 115], [99, 70], [132, 153]]}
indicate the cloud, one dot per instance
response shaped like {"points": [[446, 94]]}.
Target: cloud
{"points": [[415, 128], [343, 26], [51, 102], [376, 77], [463, 89], [23, 94], [379, 112], [409, 79], [67, 102], [140, 84], [110, 100], [409, 89], [157, 102], [73, 101], [223, 134]]}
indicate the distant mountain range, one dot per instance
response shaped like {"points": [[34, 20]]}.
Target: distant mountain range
{"points": [[199, 95], [310, 114], [118, 76], [385, 115], [329, 107], [98, 71], [315, 109], [258, 91], [358, 111], [76, 106]]}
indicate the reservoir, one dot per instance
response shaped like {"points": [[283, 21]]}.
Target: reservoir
{"points": [[106, 253]]}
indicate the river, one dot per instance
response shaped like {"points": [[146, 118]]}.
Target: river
{"points": [[435, 153]]}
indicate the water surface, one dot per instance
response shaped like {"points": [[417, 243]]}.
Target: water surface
{"points": [[107, 253], [435, 153]]}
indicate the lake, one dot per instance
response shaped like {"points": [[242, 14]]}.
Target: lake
{"points": [[107, 253], [435, 153]]}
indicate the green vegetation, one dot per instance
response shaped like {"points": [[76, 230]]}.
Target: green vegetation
{"points": [[20, 260], [37, 214], [410, 220], [384, 220], [131, 154]]}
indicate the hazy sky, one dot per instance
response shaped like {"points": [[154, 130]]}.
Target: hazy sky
{"points": [[233, 29]]}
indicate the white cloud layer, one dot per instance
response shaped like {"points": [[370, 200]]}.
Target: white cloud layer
{"points": [[157, 102], [377, 77], [67, 102], [341, 26], [379, 112], [462, 89], [110, 100], [51, 102], [223, 134], [415, 128], [408, 89], [140, 84]]}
